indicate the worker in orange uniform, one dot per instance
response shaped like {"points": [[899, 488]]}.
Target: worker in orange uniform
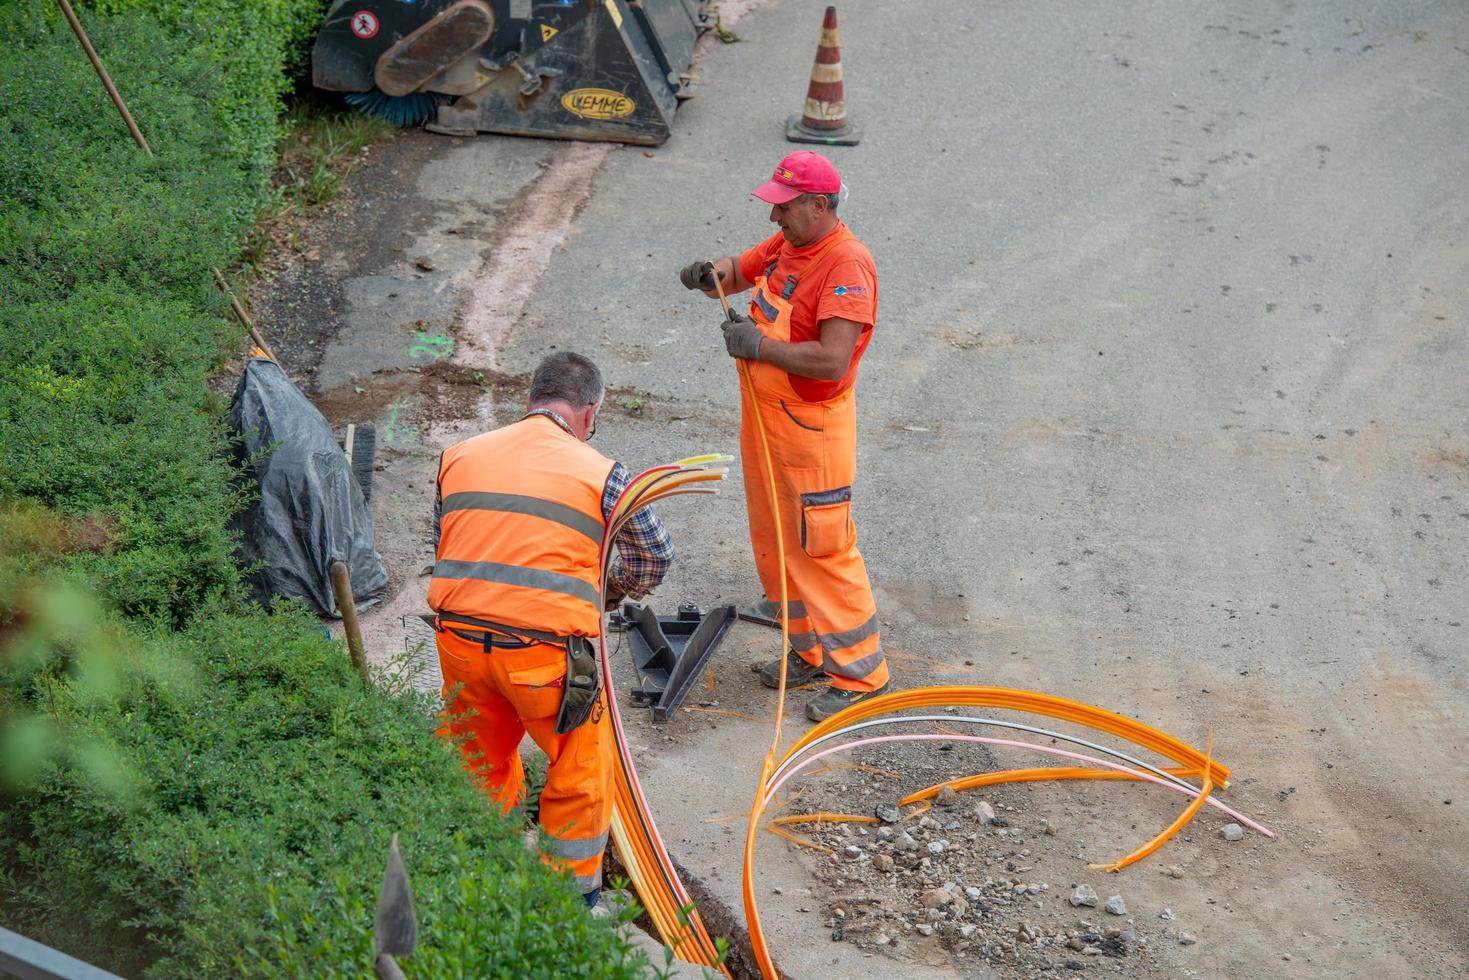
{"points": [[811, 318], [517, 594]]}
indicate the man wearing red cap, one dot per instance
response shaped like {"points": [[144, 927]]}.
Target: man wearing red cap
{"points": [[811, 318]]}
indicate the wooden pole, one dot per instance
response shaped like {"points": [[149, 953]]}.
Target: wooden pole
{"points": [[255, 334], [127, 117], [347, 606]]}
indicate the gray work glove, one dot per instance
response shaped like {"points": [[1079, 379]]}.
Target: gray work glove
{"points": [[698, 275], [741, 337]]}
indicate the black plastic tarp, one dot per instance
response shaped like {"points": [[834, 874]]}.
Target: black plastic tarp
{"points": [[310, 512]]}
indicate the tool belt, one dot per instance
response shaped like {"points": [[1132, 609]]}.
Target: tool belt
{"points": [[581, 691]]}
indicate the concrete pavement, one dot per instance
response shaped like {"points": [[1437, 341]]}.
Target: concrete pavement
{"points": [[1165, 413], [1161, 413]]}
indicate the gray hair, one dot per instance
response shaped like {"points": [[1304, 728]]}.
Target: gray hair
{"points": [[566, 377], [832, 200]]}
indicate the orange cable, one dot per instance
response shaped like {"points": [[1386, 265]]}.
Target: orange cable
{"points": [[1173, 828], [918, 813], [1193, 762], [1040, 774], [795, 839], [820, 818]]}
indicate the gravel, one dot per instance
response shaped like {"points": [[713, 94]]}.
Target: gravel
{"points": [[1084, 895], [978, 891]]}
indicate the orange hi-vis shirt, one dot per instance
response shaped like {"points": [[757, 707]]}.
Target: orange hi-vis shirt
{"points": [[842, 285]]}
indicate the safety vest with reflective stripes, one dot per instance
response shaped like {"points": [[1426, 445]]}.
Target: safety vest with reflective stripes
{"points": [[521, 529]]}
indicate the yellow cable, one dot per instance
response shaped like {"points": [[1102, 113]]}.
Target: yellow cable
{"points": [[648, 866], [767, 766]]}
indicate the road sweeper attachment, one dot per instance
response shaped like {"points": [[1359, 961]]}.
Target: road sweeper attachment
{"points": [[573, 69]]}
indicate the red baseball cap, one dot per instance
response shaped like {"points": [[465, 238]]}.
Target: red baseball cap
{"points": [[802, 172]]}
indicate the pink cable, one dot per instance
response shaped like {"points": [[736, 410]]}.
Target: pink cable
{"points": [[1063, 753]]}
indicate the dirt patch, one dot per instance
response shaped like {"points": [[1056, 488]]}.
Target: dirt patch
{"points": [[981, 877], [1456, 458], [442, 392], [541, 220], [968, 339]]}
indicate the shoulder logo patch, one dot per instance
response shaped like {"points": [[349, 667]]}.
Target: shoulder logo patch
{"points": [[850, 291]]}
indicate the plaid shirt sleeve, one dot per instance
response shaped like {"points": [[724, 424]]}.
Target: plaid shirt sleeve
{"points": [[644, 549]]}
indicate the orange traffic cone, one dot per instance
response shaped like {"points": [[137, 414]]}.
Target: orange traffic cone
{"points": [[824, 119]]}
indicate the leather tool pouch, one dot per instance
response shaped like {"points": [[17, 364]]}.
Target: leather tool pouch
{"points": [[583, 687]]}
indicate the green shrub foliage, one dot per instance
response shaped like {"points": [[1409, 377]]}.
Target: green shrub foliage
{"points": [[109, 321], [190, 787], [257, 50], [253, 784]]}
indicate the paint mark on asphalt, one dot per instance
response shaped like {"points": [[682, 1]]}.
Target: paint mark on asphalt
{"points": [[431, 346], [392, 420]]}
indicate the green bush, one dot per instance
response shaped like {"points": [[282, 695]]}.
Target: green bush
{"points": [[259, 48], [109, 321], [253, 785], [199, 789]]}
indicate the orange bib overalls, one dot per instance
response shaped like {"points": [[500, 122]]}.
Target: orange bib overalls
{"points": [[813, 447]]}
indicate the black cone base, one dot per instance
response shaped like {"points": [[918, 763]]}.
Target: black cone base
{"points": [[846, 136]]}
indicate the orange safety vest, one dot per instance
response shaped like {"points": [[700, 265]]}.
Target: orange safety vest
{"points": [[521, 529]]}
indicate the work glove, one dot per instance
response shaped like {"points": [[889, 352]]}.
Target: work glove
{"points": [[741, 337], [698, 275]]}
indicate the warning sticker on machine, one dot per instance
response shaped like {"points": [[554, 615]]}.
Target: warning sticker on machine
{"points": [[597, 103], [548, 32], [364, 24]]}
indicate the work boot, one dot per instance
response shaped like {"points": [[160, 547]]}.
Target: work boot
{"points": [[766, 612], [610, 903], [835, 699], [798, 672]]}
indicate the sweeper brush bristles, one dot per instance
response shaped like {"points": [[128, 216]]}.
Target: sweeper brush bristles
{"points": [[400, 110]]}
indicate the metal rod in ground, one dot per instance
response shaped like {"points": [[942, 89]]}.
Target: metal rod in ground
{"points": [[255, 334], [347, 606], [127, 117]]}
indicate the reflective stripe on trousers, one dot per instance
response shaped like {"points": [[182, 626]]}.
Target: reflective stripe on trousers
{"points": [[811, 645], [513, 692]]}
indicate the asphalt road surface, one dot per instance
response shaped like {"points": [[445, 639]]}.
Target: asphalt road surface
{"points": [[1165, 412]]}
